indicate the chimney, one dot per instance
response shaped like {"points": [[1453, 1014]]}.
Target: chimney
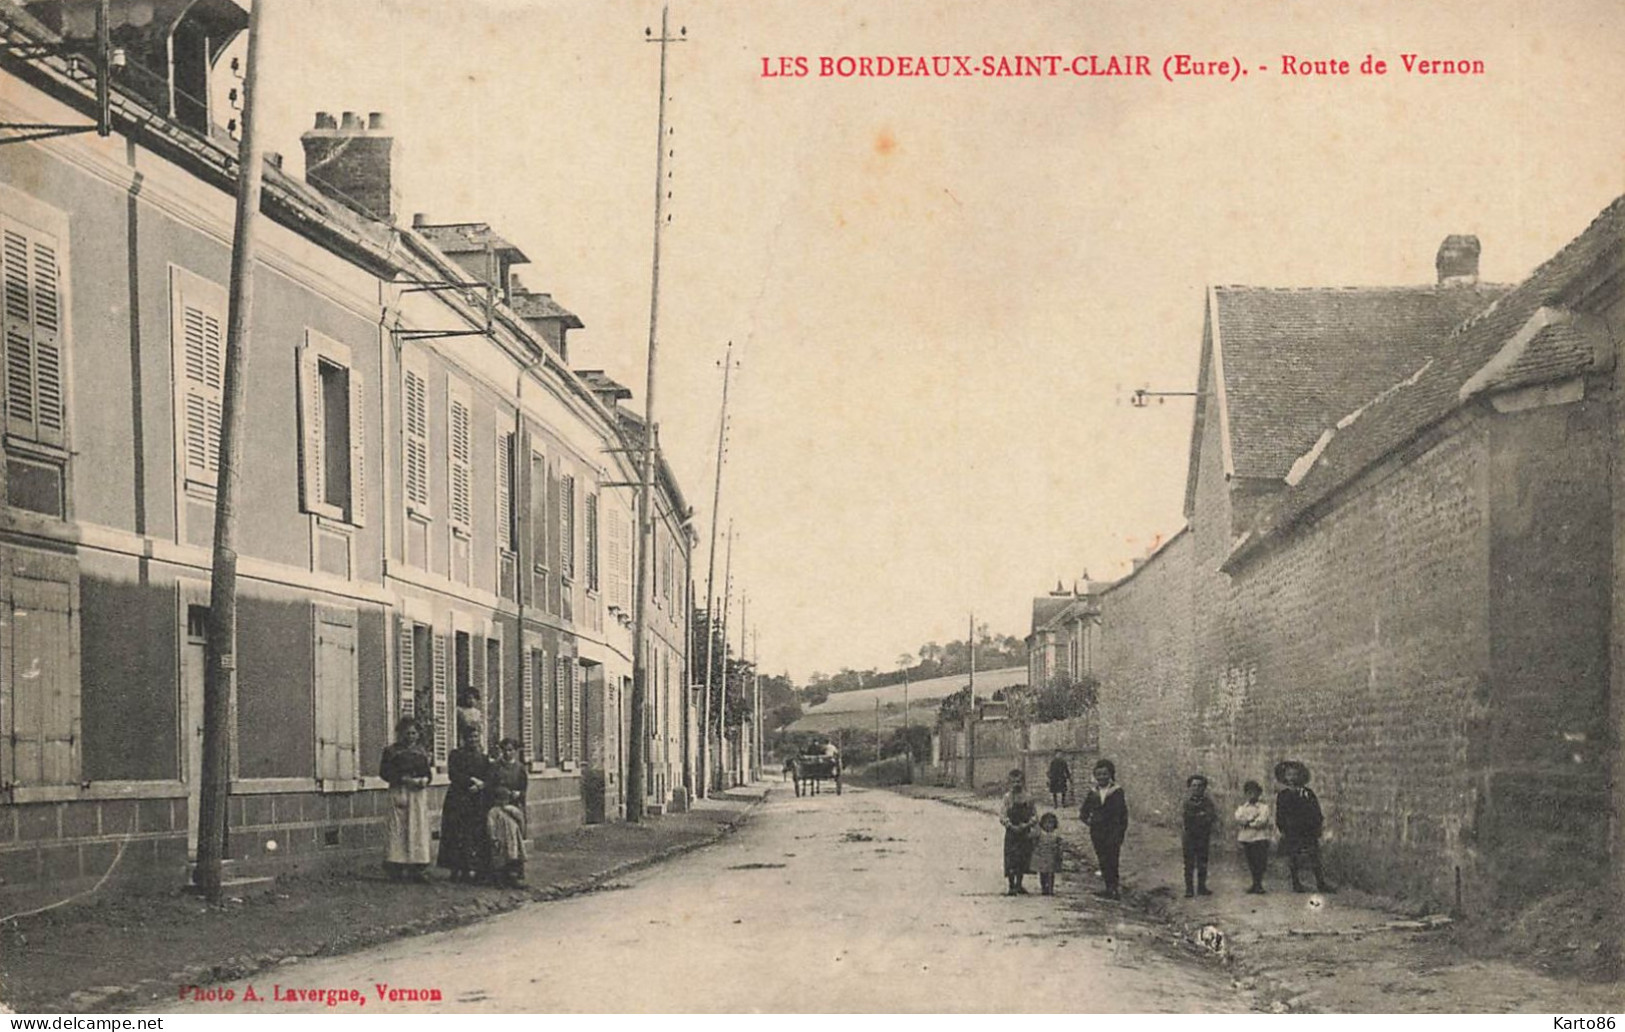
{"points": [[1457, 261], [353, 162]]}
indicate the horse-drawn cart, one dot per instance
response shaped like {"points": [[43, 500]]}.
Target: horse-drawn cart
{"points": [[811, 770]]}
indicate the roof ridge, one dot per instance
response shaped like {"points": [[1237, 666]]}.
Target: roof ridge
{"points": [[1419, 288]]}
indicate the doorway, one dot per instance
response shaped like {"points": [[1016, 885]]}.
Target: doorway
{"points": [[192, 660]]}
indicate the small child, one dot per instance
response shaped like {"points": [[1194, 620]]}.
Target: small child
{"points": [[1200, 815], [1047, 853], [1253, 832], [470, 714]]}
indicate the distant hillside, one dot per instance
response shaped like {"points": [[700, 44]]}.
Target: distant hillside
{"points": [[857, 709]]}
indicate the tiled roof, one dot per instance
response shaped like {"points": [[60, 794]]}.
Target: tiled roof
{"points": [[1297, 360], [1046, 609], [1526, 337], [541, 306], [463, 237], [600, 381]]}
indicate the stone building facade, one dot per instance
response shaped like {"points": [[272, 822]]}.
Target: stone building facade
{"points": [[432, 501]]}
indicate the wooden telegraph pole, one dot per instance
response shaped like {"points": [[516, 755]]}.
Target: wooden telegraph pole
{"points": [[756, 705], [727, 596], [710, 578], [220, 646], [970, 719], [646, 472]]}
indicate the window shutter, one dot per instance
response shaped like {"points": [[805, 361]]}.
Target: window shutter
{"points": [[442, 740], [415, 393], [200, 359], [310, 428], [567, 525], [358, 450], [349, 713], [527, 704], [592, 542], [575, 711], [504, 481], [337, 683], [42, 686], [538, 517], [629, 558], [561, 707], [406, 665], [458, 448], [33, 335], [550, 712], [614, 560]]}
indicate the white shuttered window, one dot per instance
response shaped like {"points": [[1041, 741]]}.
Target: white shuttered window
{"points": [[459, 449], [197, 328], [35, 397], [415, 424]]}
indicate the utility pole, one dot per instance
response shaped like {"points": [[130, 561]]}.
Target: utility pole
{"points": [[646, 472], [711, 574], [756, 706], [220, 647], [877, 727], [908, 737], [970, 719], [744, 627], [727, 596]]}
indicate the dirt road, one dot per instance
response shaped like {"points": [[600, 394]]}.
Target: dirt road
{"points": [[862, 902]]}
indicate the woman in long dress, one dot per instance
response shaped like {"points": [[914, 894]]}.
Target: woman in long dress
{"points": [[505, 821], [464, 848], [405, 766], [1019, 815]]}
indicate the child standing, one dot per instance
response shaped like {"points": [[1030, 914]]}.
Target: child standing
{"points": [[1060, 778], [1106, 812], [1253, 824], [1019, 815], [1199, 817], [1297, 814], [1047, 853]]}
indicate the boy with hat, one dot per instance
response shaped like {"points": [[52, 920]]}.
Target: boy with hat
{"points": [[1297, 814]]}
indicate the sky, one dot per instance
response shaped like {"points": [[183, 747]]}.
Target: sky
{"points": [[941, 292]]}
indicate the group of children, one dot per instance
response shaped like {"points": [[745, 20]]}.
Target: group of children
{"points": [[1032, 842]]}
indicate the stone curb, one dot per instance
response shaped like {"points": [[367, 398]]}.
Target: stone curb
{"points": [[107, 998]]}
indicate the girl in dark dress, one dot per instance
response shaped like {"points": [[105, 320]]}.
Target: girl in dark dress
{"points": [[1019, 816], [464, 848]]}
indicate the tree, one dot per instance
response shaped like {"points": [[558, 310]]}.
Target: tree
{"points": [[914, 739], [954, 708]]}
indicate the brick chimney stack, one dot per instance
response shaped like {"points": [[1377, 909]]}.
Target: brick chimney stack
{"points": [[1457, 261], [353, 163]]}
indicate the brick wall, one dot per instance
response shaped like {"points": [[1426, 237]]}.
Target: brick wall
{"points": [[1360, 645], [1434, 646], [1145, 664]]}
